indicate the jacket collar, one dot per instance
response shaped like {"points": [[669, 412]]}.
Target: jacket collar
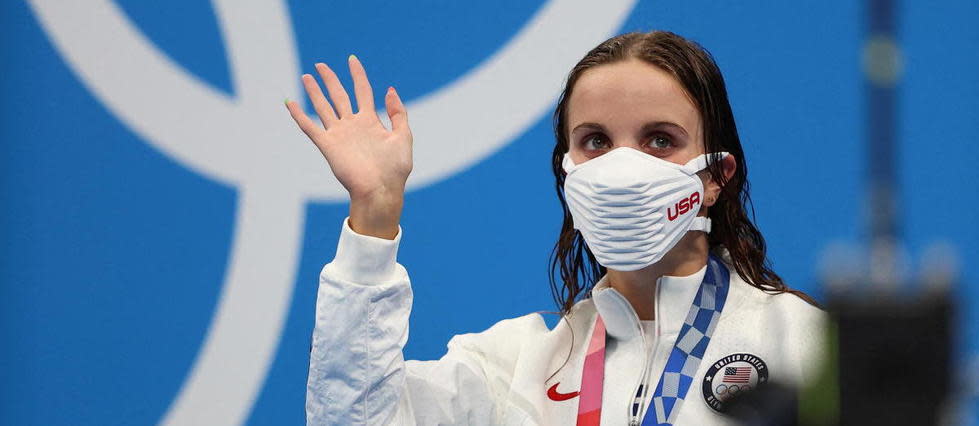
{"points": [[674, 296]]}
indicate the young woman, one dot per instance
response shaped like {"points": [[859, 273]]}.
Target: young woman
{"points": [[669, 309]]}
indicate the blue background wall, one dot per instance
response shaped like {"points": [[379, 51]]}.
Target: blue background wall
{"points": [[114, 254]]}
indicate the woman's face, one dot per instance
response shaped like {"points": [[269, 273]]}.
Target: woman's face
{"points": [[632, 104]]}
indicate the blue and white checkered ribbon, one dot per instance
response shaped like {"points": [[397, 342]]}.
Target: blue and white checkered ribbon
{"points": [[690, 346]]}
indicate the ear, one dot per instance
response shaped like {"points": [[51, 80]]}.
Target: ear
{"points": [[712, 190]]}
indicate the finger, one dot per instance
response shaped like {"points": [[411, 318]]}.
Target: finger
{"points": [[396, 111], [320, 104], [308, 126], [338, 95], [362, 86]]}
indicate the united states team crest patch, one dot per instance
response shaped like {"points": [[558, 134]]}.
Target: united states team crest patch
{"points": [[731, 376]]}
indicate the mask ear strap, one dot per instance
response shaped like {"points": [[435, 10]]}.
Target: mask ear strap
{"points": [[700, 163], [700, 223]]}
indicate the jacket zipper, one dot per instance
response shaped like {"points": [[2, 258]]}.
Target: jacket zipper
{"points": [[636, 417]]}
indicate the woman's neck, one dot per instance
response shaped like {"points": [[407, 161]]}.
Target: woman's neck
{"points": [[639, 287]]}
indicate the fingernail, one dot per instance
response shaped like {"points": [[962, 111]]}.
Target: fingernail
{"points": [[352, 56], [286, 101]]}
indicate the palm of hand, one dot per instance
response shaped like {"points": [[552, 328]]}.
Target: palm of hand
{"points": [[366, 157]]}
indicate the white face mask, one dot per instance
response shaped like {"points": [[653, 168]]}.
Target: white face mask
{"points": [[631, 207]]}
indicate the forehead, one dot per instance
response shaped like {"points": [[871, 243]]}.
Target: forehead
{"points": [[630, 93]]}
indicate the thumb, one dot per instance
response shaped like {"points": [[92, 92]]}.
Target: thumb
{"points": [[396, 111]]}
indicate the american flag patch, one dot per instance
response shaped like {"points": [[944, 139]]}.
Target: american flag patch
{"points": [[737, 375]]}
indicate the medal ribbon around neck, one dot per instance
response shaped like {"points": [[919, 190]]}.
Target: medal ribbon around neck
{"points": [[681, 366]]}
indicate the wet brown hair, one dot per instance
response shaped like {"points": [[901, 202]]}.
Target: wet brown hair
{"points": [[732, 228]]}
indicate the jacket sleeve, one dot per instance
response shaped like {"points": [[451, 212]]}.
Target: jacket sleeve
{"points": [[357, 372]]}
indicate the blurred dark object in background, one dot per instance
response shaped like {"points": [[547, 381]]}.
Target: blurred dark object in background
{"points": [[888, 362], [894, 359], [773, 404]]}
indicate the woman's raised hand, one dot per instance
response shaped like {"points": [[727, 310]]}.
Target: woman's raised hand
{"points": [[370, 161]]}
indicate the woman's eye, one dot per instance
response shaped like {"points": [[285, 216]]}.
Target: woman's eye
{"points": [[595, 142], [660, 142]]}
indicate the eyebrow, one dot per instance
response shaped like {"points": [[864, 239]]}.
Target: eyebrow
{"points": [[645, 127]]}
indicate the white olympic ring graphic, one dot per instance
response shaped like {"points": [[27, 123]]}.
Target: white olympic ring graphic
{"points": [[276, 176]]}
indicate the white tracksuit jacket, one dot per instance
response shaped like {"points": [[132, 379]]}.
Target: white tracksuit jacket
{"points": [[358, 376]]}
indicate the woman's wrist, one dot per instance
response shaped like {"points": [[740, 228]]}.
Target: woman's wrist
{"points": [[377, 214]]}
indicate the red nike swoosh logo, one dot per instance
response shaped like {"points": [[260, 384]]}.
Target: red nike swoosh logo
{"points": [[557, 396]]}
